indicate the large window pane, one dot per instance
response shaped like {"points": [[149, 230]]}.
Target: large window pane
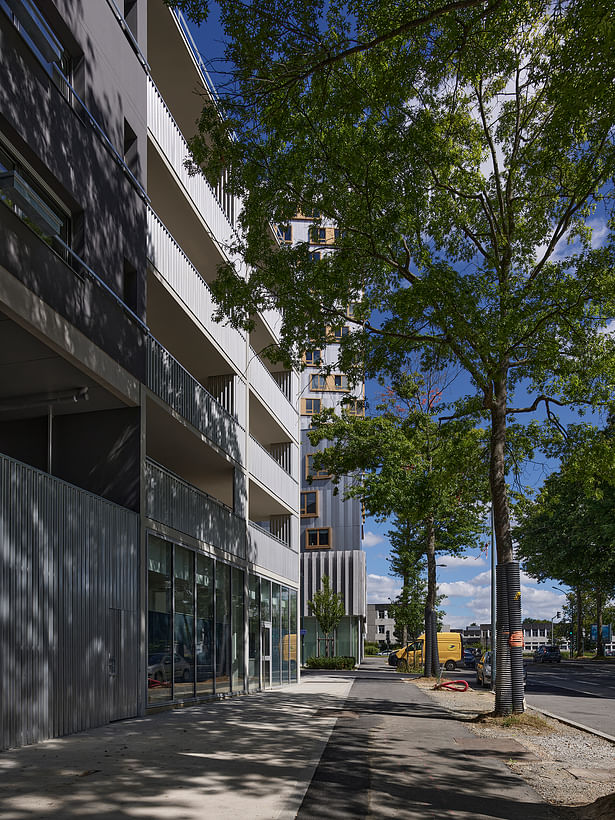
{"points": [[284, 611], [223, 628], [294, 637], [159, 604], [183, 624], [254, 625], [237, 638], [276, 655], [204, 625], [266, 633]]}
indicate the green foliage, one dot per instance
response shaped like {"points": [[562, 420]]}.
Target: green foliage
{"points": [[371, 648], [327, 607], [335, 662]]}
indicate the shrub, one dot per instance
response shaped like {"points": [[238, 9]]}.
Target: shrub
{"points": [[337, 662], [371, 648]]}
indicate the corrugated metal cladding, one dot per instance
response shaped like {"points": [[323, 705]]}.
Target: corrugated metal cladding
{"points": [[68, 607], [345, 568]]}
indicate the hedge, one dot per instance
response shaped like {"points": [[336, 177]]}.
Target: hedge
{"points": [[337, 662]]}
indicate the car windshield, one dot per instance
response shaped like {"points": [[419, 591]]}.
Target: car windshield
{"points": [[156, 658]]}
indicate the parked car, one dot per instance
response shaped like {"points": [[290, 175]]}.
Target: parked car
{"points": [[159, 667], [547, 654], [484, 670], [469, 658]]}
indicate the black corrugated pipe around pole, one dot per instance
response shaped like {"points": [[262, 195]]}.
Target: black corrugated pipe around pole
{"points": [[429, 670], [434, 644], [503, 683], [513, 584]]}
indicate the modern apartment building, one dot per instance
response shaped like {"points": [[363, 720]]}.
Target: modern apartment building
{"points": [[380, 625], [331, 529], [149, 457]]}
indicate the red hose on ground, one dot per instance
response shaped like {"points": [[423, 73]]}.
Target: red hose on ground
{"points": [[453, 685]]}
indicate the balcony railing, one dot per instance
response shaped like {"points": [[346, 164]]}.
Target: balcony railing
{"points": [[171, 142], [272, 475], [178, 271], [172, 501], [272, 394], [180, 390]]}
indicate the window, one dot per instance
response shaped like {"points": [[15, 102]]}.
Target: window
{"points": [[318, 382], [318, 234], [28, 196], [310, 406], [318, 538], [340, 332], [340, 382], [381, 629], [313, 358], [382, 613], [309, 469], [355, 407], [309, 504], [285, 233], [314, 256]]}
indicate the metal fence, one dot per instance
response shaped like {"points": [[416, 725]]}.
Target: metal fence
{"points": [[69, 607]]}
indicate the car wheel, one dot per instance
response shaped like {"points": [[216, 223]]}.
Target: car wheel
{"points": [[450, 665], [186, 675], [158, 677], [477, 680]]}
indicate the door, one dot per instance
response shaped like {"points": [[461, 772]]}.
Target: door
{"points": [[266, 655]]}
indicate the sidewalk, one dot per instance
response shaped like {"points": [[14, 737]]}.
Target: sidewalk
{"points": [[336, 746]]}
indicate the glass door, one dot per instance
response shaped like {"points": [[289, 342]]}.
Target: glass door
{"points": [[266, 655]]}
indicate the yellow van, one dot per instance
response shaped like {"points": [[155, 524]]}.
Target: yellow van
{"points": [[450, 651]]}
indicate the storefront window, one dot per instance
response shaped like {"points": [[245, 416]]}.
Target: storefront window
{"points": [[253, 632], [223, 628], [237, 637], [284, 613], [204, 625], [183, 624], [159, 605], [275, 635], [293, 636]]}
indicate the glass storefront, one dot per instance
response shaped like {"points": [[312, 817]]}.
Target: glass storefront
{"points": [[196, 626]]}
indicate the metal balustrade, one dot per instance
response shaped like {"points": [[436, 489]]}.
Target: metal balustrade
{"points": [[180, 390], [180, 274], [180, 505], [272, 395], [272, 475], [174, 147]]}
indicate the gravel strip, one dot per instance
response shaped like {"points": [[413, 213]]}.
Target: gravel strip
{"points": [[574, 768]]}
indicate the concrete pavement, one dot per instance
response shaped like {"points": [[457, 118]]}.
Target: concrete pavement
{"points": [[339, 745]]}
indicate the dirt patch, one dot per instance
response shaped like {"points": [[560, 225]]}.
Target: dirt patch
{"points": [[571, 769]]}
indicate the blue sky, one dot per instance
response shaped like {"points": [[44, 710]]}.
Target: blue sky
{"points": [[464, 581]]}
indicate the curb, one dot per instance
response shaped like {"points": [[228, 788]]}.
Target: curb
{"points": [[572, 723]]}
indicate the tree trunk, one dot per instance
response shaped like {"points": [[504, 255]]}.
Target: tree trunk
{"points": [[431, 659], [509, 636], [599, 604], [580, 636]]}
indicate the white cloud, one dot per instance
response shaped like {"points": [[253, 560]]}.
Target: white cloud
{"points": [[371, 539], [469, 561], [459, 589], [382, 588]]}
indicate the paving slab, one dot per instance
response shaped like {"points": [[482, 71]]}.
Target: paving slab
{"points": [[247, 757]]}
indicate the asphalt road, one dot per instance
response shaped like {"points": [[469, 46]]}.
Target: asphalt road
{"points": [[582, 693]]}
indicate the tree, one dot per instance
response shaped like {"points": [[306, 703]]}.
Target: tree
{"points": [[401, 462], [457, 148], [567, 532], [407, 561], [328, 608]]}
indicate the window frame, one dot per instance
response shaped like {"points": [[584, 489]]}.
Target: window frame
{"points": [[316, 495], [320, 476], [304, 407], [318, 546], [311, 353]]}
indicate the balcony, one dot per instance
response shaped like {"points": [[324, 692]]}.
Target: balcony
{"points": [[174, 148], [270, 552], [183, 393], [174, 502], [276, 392], [265, 468], [191, 289]]}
